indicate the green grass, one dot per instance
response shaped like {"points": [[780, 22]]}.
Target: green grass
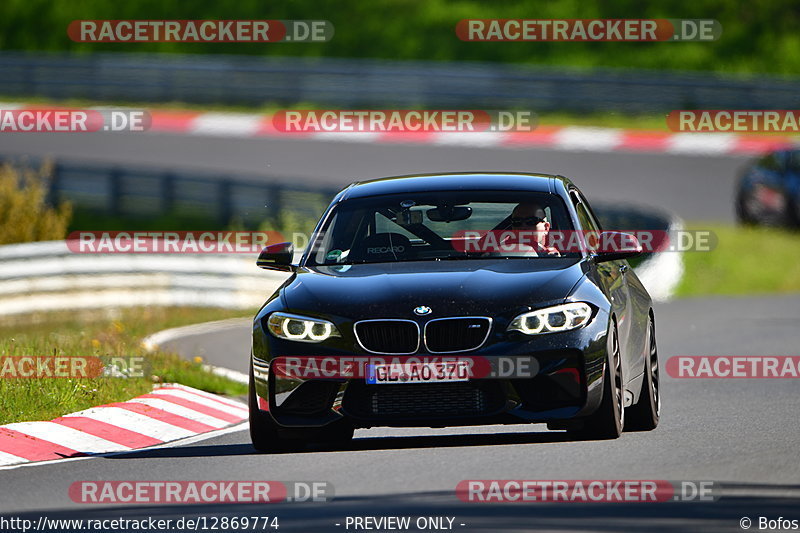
{"points": [[99, 334], [746, 260]]}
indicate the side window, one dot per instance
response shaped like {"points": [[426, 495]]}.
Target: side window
{"points": [[584, 216], [594, 220]]}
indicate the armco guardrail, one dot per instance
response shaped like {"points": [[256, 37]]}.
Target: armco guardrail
{"points": [[364, 82], [46, 276], [152, 191]]}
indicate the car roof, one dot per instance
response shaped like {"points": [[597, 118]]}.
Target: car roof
{"points": [[454, 181]]}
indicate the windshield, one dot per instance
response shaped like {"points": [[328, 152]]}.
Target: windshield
{"points": [[436, 226]]}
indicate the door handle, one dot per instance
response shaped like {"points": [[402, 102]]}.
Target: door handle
{"points": [[623, 268]]}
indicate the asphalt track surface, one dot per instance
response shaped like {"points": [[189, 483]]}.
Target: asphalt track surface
{"points": [[695, 187], [740, 433]]}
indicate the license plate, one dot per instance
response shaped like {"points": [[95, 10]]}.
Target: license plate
{"points": [[401, 373]]}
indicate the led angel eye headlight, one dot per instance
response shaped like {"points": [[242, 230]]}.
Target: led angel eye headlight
{"points": [[300, 328], [562, 317]]}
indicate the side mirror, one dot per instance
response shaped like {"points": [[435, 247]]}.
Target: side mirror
{"points": [[277, 257], [616, 245]]}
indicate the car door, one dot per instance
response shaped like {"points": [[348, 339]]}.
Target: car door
{"points": [[611, 275]]}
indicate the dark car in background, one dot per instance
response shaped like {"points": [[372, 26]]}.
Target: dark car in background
{"points": [[386, 275], [769, 190]]}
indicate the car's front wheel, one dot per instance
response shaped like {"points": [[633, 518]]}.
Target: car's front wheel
{"points": [[267, 437], [263, 430], [645, 414], [609, 419]]}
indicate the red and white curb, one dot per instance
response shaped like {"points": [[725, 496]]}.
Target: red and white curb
{"points": [[171, 412], [567, 138]]}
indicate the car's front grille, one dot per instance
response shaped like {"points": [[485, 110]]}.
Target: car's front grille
{"points": [[427, 399], [424, 400], [388, 336], [456, 334]]}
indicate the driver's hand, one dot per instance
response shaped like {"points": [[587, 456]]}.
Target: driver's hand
{"points": [[553, 252]]}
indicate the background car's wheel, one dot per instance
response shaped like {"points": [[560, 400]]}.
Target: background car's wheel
{"points": [[645, 414], [765, 206], [609, 419], [743, 215], [263, 430]]}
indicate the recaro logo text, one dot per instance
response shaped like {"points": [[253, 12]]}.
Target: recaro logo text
{"points": [[386, 249]]}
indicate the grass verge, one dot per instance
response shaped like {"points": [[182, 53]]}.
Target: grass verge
{"points": [[746, 260], [99, 334]]}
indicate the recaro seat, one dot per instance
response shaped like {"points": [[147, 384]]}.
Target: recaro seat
{"points": [[381, 248]]}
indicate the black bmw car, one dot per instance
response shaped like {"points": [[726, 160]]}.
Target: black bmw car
{"points": [[418, 304]]}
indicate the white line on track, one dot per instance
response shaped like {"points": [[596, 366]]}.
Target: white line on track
{"points": [[151, 342]]}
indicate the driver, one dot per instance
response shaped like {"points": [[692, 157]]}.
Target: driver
{"points": [[529, 217]]}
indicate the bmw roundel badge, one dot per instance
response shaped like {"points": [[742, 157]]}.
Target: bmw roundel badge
{"points": [[422, 310]]}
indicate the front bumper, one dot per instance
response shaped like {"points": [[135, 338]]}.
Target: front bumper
{"points": [[568, 384]]}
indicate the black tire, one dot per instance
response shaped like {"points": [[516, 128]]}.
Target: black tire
{"points": [[644, 416], [750, 211], [609, 419], [263, 430], [742, 213], [267, 437]]}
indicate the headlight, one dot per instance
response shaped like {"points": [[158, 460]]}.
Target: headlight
{"points": [[300, 328], [552, 319]]}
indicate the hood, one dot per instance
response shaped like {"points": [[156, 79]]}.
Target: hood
{"points": [[450, 288]]}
